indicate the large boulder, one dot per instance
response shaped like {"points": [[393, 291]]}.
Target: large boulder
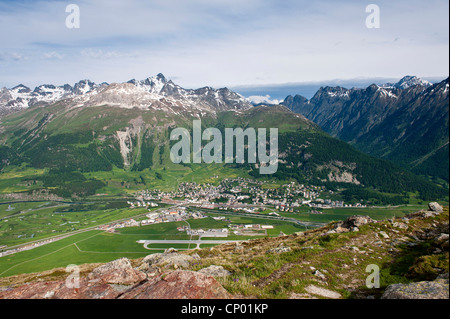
{"points": [[179, 284], [356, 221], [168, 259], [435, 207], [351, 224], [118, 272], [443, 241], [437, 289], [215, 271]]}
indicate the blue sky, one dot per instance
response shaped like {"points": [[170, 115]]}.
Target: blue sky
{"points": [[221, 42]]}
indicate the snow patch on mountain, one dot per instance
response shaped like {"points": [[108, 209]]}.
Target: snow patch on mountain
{"points": [[386, 92]]}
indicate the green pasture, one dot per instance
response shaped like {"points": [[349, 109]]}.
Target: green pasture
{"points": [[30, 221], [336, 214]]}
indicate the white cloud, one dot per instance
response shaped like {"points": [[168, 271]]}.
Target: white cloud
{"points": [[224, 42], [53, 55], [18, 56], [100, 54], [256, 99]]}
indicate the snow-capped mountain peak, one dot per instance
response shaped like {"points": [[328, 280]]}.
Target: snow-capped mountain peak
{"points": [[407, 82], [154, 92]]}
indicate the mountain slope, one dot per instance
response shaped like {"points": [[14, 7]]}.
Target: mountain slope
{"points": [[113, 130], [403, 122]]}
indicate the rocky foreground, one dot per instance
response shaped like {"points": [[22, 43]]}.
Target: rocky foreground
{"points": [[330, 262]]}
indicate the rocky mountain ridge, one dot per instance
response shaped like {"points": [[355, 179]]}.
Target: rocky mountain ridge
{"points": [[152, 93], [406, 122]]}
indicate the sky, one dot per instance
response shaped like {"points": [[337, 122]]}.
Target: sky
{"points": [[218, 43]]}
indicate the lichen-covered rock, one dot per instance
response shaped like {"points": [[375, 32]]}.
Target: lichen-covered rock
{"points": [[442, 240], [107, 281], [59, 290], [118, 272], [279, 250], [215, 271], [36, 290], [437, 289], [323, 292], [356, 221], [169, 258], [400, 225], [179, 284], [87, 290]]}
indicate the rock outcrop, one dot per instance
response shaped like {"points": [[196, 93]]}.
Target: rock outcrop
{"points": [[170, 258], [117, 279], [118, 272], [59, 290], [326, 293], [107, 281], [215, 271], [279, 250], [437, 289], [179, 284], [435, 207], [351, 224]]}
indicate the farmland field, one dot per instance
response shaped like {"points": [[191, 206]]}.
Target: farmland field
{"points": [[30, 221], [335, 214], [95, 246]]}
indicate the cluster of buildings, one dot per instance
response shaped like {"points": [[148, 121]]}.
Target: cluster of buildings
{"points": [[327, 203], [237, 229], [113, 226], [249, 229], [242, 194], [141, 203], [237, 193], [170, 215], [221, 232], [164, 216]]}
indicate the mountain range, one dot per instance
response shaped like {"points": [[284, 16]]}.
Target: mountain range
{"points": [[152, 93], [71, 132], [405, 122]]}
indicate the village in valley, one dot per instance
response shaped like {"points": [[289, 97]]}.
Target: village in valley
{"points": [[255, 199], [245, 194], [239, 195]]}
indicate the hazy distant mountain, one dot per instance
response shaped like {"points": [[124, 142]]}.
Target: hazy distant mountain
{"points": [[406, 122]]}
